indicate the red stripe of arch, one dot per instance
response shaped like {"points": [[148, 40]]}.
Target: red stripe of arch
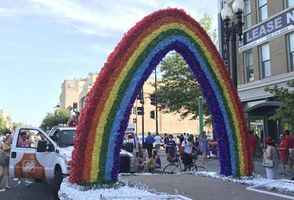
{"points": [[116, 61]]}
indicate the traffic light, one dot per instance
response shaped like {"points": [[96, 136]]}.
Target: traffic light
{"points": [[141, 97], [134, 110], [152, 114], [140, 110], [153, 99]]}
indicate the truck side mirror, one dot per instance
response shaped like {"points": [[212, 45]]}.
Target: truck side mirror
{"points": [[42, 145]]}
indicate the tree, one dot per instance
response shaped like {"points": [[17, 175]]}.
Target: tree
{"points": [[2, 126], [178, 89], [60, 116], [3, 129], [286, 112]]}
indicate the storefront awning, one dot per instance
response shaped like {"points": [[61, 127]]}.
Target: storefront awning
{"points": [[263, 109]]}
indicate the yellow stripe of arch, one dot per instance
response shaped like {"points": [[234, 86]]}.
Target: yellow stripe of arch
{"points": [[111, 99]]}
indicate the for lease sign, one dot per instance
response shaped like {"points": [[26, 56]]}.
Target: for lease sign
{"points": [[273, 27]]}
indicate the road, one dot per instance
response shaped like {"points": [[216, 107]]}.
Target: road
{"points": [[164, 183]]}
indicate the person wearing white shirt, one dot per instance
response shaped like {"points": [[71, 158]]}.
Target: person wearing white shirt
{"points": [[157, 142], [187, 146]]}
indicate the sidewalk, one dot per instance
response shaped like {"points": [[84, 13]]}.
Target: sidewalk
{"points": [[196, 187], [203, 188], [213, 165]]}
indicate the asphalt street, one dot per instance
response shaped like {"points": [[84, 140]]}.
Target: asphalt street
{"points": [[187, 185]]}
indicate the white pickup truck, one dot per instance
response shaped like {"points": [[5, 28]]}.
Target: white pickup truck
{"points": [[40, 156], [35, 155]]}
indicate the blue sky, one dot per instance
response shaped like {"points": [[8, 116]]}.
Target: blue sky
{"points": [[44, 42]]}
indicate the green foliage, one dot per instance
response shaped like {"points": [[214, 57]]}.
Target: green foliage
{"points": [[286, 112], [206, 23], [1, 122], [60, 116], [178, 89]]}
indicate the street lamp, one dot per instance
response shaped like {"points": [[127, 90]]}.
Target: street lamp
{"points": [[231, 30]]}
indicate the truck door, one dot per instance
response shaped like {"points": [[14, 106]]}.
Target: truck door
{"points": [[25, 161]]}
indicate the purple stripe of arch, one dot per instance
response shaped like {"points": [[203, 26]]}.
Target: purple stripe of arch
{"points": [[218, 120]]}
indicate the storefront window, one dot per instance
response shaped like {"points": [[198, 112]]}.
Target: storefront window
{"points": [[265, 60], [291, 51], [247, 14], [249, 68], [262, 10], [289, 3]]}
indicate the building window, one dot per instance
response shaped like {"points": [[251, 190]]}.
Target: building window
{"points": [[262, 10], [247, 14], [289, 3], [265, 60], [291, 51], [249, 68]]}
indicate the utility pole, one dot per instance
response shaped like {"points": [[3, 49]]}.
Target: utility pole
{"points": [[142, 101], [136, 116], [200, 109], [156, 109]]}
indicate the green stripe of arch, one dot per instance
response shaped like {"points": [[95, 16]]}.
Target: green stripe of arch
{"points": [[128, 78], [116, 104]]}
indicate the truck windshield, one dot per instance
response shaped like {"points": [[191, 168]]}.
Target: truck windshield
{"points": [[66, 138]]}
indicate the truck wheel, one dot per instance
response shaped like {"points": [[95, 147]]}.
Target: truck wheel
{"points": [[57, 179]]}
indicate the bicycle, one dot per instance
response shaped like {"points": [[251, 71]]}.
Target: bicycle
{"points": [[175, 165]]}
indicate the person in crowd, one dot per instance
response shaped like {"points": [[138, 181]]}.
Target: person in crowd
{"points": [[150, 163], [185, 136], [172, 150], [142, 158], [5, 148], [149, 144], [157, 143], [271, 153], [165, 141], [73, 120], [252, 142], [284, 153], [24, 140], [187, 146], [204, 148], [196, 143], [290, 140], [181, 139]]}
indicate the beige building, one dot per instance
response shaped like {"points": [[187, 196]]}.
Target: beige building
{"points": [[70, 92], [76, 91], [167, 122], [265, 58], [89, 81]]}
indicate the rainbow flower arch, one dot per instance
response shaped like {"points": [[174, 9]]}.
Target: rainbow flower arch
{"points": [[105, 117]]}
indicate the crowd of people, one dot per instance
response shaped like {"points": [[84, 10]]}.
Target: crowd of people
{"points": [[184, 145], [279, 154]]}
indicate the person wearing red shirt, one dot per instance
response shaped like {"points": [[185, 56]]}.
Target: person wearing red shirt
{"points": [[290, 140], [284, 152]]}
